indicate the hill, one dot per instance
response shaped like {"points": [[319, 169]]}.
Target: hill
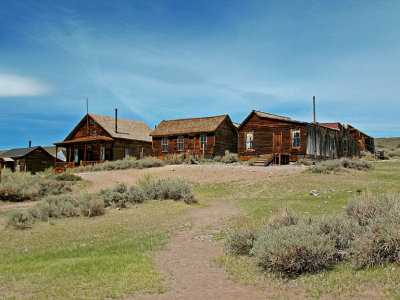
{"points": [[387, 142]]}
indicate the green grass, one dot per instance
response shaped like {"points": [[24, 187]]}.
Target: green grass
{"points": [[101, 257], [261, 199]]}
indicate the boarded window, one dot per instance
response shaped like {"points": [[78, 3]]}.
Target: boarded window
{"points": [[203, 141], [345, 143], [249, 141], [296, 138], [180, 143], [164, 144]]}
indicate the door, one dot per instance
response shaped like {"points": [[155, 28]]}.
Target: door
{"points": [[277, 142]]}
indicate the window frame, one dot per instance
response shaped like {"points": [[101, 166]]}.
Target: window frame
{"points": [[251, 142], [332, 144], [293, 132], [345, 144], [181, 143], [203, 144], [164, 145], [127, 151]]}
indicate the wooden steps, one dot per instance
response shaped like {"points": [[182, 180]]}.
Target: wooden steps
{"points": [[264, 160]]}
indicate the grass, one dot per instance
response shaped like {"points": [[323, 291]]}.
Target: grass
{"points": [[107, 257], [259, 200]]}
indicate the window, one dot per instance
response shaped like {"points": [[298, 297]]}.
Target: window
{"points": [[203, 141], [332, 142], [249, 141], [295, 138], [103, 154], [76, 156], [127, 151], [345, 144], [180, 143], [164, 144]]}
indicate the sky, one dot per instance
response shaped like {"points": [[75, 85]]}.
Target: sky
{"points": [[161, 60]]}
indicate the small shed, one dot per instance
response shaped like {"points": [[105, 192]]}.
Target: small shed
{"points": [[367, 142], [32, 159], [208, 136]]}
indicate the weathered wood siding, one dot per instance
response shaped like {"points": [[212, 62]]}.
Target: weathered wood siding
{"points": [[135, 147], [225, 139], [190, 143], [263, 134], [94, 130]]}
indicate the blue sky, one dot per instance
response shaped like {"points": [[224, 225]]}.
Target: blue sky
{"points": [[156, 60]]}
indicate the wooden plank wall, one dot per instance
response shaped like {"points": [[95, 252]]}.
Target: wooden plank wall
{"points": [[135, 148], [225, 139], [263, 133], [94, 130], [190, 143], [37, 161]]}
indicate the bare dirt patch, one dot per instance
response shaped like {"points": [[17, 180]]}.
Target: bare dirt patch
{"points": [[211, 173], [187, 267]]}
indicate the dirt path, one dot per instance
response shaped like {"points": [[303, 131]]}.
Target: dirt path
{"points": [[186, 262]]}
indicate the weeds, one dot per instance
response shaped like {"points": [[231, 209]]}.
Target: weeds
{"points": [[127, 163], [332, 166], [20, 220], [229, 157], [252, 161], [305, 162]]}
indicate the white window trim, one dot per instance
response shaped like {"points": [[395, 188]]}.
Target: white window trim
{"points": [[250, 142], [293, 138]]}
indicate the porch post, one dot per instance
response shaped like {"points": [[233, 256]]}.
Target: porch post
{"points": [[101, 152], [84, 155], [0, 170]]}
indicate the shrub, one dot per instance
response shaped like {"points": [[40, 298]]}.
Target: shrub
{"points": [[252, 161], [284, 218], [340, 229], [174, 159], [230, 157], [240, 241], [379, 244], [366, 154], [294, 250], [366, 208], [13, 193], [118, 195], [67, 177], [217, 158], [90, 206], [136, 194], [305, 162], [149, 163], [20, 219], [393, 153], [49, 187], [330, 166]]}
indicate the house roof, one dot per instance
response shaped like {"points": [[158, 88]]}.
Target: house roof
{"points": [[352, 128], [264, 115], [19, 152], [335, 125], [127, 129], [188, 126], [236, 125]]}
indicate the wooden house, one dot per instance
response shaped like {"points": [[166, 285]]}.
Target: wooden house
{"points": [[367, 142], [32, 159], [99, 138], [280, 138], [206, 137]]}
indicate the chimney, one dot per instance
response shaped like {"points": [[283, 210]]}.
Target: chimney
{"points": [[313, 99], [116, 120], [30, 144]]}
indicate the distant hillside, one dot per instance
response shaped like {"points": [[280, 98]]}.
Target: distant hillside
{"points": [[387, 142]]}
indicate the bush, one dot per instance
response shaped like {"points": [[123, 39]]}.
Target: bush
{"points": [[67, 177], [379, 244], [252, 161], [230, 157], [174, 159], [393, 153], [149, 163], [240, 241], [331, 166], [284, 218], [127, 163], [53, 188], [20, 219], [305, 162], [217, 158], [340, 229], [294, 250], [13, 193], [366, 154], [367, 208], [90, 206]]}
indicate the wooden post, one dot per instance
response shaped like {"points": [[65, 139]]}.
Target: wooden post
{"points": [[70, 154], [101, 152], [84, 154], [55, 159], [0, 170]]}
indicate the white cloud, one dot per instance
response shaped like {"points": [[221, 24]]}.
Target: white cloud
{"points": [[21, 86]]}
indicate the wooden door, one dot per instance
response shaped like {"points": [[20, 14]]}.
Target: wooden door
{"points": [[277, 142]]}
